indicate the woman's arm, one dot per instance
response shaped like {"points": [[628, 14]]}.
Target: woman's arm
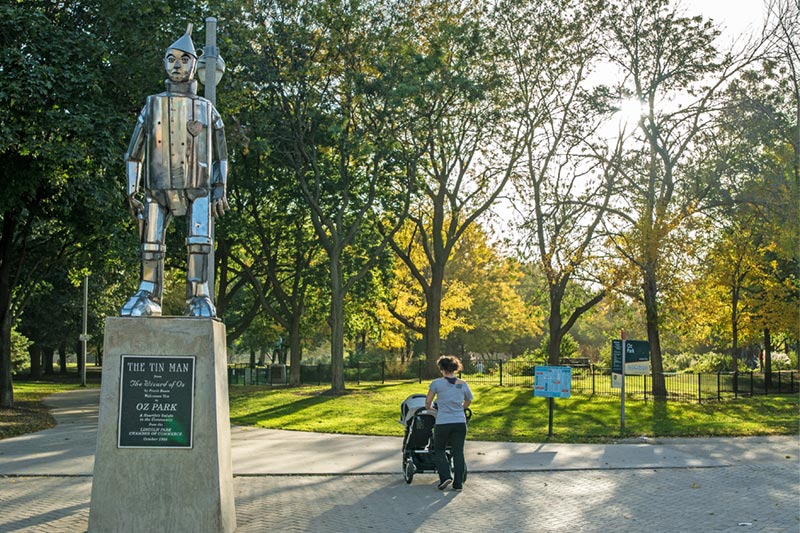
{"points": [[429, 399], [467, 396]]}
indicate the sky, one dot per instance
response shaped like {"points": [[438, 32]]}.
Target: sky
{"points": [[736, 16]]}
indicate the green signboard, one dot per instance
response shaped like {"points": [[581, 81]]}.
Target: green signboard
{"points": [[636, 352]]}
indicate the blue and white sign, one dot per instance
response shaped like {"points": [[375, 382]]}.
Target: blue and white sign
{"points": [[552, 381]]}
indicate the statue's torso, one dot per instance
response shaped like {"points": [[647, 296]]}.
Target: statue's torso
{"points": [[178, 142]]}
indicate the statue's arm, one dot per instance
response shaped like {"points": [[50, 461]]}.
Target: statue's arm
{"points": [[219, 180], [133, 166]]}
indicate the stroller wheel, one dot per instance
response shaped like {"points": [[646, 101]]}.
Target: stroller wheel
{"points": [[408, 468]]}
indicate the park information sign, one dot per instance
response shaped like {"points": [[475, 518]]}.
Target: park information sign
{"points": [[637, 360], [156, 401], [552, 381]]}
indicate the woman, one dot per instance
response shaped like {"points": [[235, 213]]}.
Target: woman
{"points": [[452, 397]]}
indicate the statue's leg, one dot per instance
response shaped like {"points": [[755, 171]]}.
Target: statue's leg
{"points": [[199, 300], [147, 299]]}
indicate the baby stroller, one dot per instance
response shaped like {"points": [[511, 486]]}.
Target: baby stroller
{"points": [[418, 439]]}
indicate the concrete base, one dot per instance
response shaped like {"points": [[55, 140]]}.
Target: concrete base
{"points": [[277, 373], [163, 489]]}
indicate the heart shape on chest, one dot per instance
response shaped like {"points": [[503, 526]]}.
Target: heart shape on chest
{"points": [[194, 127]]}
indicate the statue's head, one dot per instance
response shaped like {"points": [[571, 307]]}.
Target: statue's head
{"points": [[180, 60]]}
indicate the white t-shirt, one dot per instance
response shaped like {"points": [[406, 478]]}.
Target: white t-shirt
{"points": [[450, 400]]}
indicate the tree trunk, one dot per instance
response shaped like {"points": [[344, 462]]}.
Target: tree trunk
{"points": [[767, 359], [433, 320], [735, 336], [62, 358], [6, 246], [651, 314], [408, 351], [82, 357], [337, 323], [36, 360], [6, 387], [252, 358], [295, 349], [735, 327], [47, 361], [554, 330], [362, 348]]}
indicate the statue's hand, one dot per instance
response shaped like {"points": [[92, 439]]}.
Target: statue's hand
{"points": [[219, 200], [136, 207]]}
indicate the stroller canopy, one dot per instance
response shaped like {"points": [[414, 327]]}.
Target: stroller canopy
{"points": [[410, 406]]}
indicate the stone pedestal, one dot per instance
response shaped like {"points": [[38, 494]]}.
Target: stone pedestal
{"points": [[163, 460], [277, 373]]}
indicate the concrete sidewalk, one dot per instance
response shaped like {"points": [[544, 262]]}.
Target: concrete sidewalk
{"points": [[298, 482], [68, 449]]}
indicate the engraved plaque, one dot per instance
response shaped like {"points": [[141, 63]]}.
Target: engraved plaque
{"points": [[156, 401]]}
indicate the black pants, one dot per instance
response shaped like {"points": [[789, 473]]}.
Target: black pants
{"points": [[454, 435]]}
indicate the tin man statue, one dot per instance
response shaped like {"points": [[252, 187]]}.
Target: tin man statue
{"points": [[178, 155]]}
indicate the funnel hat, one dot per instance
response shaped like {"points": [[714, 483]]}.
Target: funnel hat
{"points": [[185, 44]]}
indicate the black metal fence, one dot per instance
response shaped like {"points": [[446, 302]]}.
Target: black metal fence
{"points": [[704, 387], [380, 371]]}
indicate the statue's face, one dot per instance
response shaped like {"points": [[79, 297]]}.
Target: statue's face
{"points": [[179, 65]]}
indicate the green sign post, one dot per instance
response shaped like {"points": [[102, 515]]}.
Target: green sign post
{"points": [[635, 352], [637, 361]]}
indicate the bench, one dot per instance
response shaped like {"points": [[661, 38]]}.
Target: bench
{"points": [[576, 362]]}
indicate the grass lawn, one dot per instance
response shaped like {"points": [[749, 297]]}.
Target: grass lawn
{"points": [[500, 413], [512, 414]]}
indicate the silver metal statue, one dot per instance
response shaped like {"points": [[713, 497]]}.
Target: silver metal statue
{"points": [[178, 156]]}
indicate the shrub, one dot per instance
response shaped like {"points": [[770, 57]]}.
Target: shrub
{"points": [[678, 362], [781, 361], [713, 362], [523, 364], [569, 348], [710, 362], [19, 350], [793, 360], [396, 369]]}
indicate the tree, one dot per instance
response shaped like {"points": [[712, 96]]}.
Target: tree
{"points": [[497, 316], [329, 73], [669, 63], [456, 127], [716, 308], [759, 142], [53, 296], [63, 131], [277, 254], [49, 108], [562, 190], [406, 301]]}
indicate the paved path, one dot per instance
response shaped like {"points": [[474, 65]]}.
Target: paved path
{"points": [[292, 481]]}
